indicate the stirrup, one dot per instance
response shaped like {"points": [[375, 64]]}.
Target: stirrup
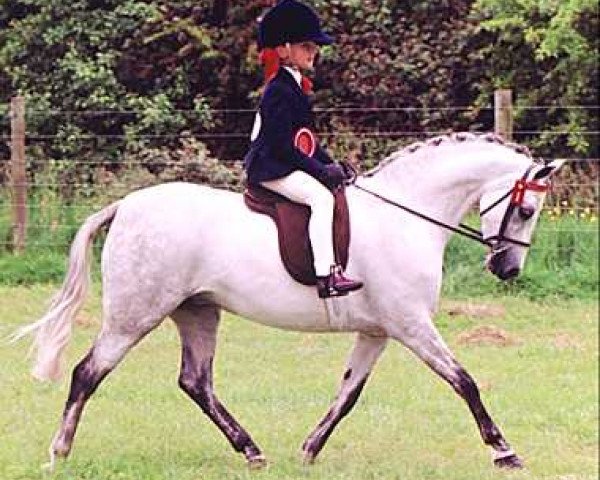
{"points": [[335, 284]]}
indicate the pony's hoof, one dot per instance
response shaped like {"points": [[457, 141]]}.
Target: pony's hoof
{"points": [[59, 447], [511, 462], [257, 462], [308, 457], [49, 467]]}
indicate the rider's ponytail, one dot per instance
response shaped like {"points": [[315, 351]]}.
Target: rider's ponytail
{"points": [[270, 60]]}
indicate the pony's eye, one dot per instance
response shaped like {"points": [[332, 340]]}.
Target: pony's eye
{"points": [[526, 212]]}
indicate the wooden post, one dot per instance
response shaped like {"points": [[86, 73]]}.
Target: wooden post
{"points": [[18, 173], [503, 113]]}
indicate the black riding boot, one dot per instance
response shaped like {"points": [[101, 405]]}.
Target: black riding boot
{"points": [[335, 284]]}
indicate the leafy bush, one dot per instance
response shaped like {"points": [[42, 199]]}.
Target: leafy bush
{"points": [[100, 75], [70, 61]]}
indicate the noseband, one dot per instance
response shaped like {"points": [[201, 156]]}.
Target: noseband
{"points": [[516, 194]]}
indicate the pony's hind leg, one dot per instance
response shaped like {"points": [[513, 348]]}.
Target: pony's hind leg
{"points": [[108, 350], [428, 345], [197, 325], [365, 353]]}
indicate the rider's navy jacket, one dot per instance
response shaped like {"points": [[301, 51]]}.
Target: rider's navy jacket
{"points": [[284, 109]]}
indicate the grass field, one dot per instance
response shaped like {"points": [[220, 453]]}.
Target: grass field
{"points": [[536, 364]]}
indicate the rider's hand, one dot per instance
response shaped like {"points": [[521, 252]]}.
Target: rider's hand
{"points": [[350, 170], [334, 175]]}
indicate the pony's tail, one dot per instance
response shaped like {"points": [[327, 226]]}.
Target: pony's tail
{"points": [[53, 330]]}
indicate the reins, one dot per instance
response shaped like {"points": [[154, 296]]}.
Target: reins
{"points": [[517, 194], [462, 229]]}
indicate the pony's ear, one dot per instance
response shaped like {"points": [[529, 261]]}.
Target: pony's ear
{"points": [[548, 170]]}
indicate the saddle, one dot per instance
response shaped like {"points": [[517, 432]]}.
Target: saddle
{"points": [[291, 219]]}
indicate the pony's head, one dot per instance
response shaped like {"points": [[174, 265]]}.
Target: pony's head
{"points": [[509, 216]]}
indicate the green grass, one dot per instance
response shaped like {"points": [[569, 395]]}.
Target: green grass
{"points": [[562, 263], [542, 391]]}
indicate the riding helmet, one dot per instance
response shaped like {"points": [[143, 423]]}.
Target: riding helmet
{"points": [[290, 22]]}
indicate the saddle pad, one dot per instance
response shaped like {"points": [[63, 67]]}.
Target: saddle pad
{"points": [[292, 226]]}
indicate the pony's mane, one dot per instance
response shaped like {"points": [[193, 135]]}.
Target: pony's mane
{"points": [[453, 138]]}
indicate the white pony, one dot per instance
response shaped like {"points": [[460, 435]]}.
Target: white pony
{"points": [[188, 251]]}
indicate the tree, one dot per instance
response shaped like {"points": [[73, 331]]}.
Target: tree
{"points": [[547, 52]]}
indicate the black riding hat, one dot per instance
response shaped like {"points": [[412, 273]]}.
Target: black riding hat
{"points": [[290, 22]]}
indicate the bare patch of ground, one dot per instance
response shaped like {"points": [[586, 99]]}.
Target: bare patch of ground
{"points": [[86, 321], [474, 310], [565, 341], [484, 335], [573, 477]]}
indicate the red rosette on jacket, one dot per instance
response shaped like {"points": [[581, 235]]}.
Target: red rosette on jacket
{"points": [[305, 141]]}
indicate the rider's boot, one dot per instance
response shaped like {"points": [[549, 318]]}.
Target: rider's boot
{"points": [[336, 284]]}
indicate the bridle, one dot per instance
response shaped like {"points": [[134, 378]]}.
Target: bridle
{"points": [[516, 194]]}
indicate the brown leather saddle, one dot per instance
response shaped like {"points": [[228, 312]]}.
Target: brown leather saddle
{"points": [[292, 226]]}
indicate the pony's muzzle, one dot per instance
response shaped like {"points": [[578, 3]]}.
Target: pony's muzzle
{"points": [[503, 263]]}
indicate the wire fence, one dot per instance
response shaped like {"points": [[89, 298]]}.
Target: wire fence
{"points": [[574, 195], [33, 111], [52, 224], [357, 134], [231, 136]]}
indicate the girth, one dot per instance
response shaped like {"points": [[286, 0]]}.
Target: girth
{"points": [[292, 219]]}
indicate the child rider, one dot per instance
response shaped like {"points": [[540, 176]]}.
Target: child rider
{"points": [[284, 155]]}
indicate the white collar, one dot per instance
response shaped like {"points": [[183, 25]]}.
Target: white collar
{"points": [[295, 73]]}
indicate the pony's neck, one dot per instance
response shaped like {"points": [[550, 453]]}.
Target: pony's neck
{"points": [[446, 181]]}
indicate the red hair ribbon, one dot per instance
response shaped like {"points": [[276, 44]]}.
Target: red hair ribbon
{"points": [[271, 62]]}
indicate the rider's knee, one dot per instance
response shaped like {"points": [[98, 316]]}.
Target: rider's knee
{"points": [[322, 199]]}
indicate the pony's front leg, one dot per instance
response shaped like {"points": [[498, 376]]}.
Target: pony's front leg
{"points": [[365, 353], [425, 341]]}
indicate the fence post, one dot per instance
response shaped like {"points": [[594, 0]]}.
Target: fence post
{"points": [[503, 113], [18, 172]]}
